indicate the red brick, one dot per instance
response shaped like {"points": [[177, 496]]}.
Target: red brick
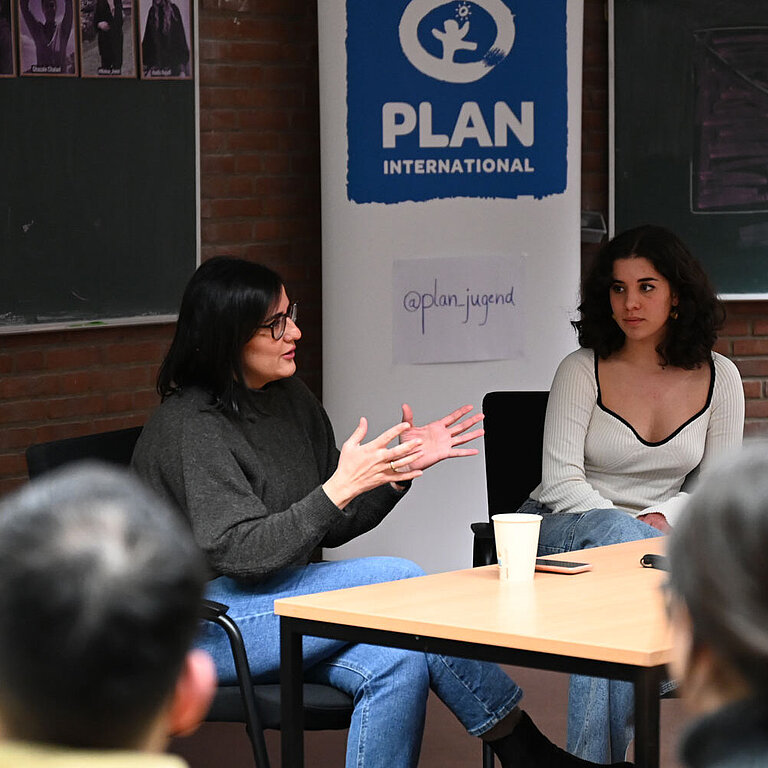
{"points": [[752, 367], [22, 411], [226, 231], [14, 387], [70, 407], [6, 363], [62, 430], [236, 207], [118, 402], [753, 389], [756, 409], [143, 352], [215, 141], [760, 327], [30, 360], [68, 358], [251, 163], [750, 347], [222, 119], [16, 437], [217, 164], [735, 326], [13, 465]]}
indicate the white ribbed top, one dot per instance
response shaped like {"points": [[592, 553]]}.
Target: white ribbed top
{"points": [[593, 459]]}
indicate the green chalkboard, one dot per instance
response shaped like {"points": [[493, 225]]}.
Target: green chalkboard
{"points": [[98, 200], [690, 124]]}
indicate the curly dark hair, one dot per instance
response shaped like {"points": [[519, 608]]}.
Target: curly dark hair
{"points": [[689, 338]]}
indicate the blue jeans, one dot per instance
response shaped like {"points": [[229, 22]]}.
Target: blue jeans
{"points": [[600, 711], [389, 686]]}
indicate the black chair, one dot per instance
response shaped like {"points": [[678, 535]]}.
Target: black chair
{"points": [[514, 434], [257, 706]]}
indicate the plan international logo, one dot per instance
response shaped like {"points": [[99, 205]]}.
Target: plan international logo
{"points": [[456, 99]]}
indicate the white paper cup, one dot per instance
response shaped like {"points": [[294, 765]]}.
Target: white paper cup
{"points": [[517, 539]]}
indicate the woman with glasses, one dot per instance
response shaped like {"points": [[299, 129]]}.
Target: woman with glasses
{"points": [[243, 448], [718, 602]]}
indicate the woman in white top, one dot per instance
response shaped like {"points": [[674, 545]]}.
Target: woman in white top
{"points": [[643, 404]]}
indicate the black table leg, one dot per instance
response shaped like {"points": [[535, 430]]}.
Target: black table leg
{"points": [[647, 743], [291, 696]]}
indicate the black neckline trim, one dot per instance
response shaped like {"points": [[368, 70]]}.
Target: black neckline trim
{"points": [[678, 430]]}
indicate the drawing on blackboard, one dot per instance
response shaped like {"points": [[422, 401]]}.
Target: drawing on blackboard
{"points": [[7, 40], [47, 37], [729, 171], [165, 51], [107, 43]]}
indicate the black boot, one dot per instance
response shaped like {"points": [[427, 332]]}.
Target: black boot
{"points": [[528, 747]]}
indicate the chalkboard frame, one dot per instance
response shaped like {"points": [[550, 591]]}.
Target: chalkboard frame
{"points": [[138, 286], [658, 120]]}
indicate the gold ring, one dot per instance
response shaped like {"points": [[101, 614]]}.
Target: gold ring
{"points": [[392, 467]]}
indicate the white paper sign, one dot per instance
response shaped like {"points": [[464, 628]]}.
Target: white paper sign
{"points": [[448, 310]]}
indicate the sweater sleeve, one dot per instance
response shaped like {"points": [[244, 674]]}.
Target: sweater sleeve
{"points": [[572, 398]]}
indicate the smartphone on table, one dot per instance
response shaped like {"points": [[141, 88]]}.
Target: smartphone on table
{"points": [[561, 566]]}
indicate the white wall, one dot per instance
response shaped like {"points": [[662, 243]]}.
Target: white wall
{"points": [[360, 243]]}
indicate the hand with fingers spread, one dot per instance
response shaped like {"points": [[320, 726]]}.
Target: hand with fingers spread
{"points": [[363, 466], [440, 438]]}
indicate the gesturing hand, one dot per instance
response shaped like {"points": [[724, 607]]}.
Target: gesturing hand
{"points": [[363, 466], [440, 438]]}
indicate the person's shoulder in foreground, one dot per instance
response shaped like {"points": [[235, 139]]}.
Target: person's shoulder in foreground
{"points": [[100, 585]]}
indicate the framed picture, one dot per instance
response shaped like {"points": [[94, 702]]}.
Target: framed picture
{"points": [[107, 40], [47, 37], [7, 40], [166, 41]]}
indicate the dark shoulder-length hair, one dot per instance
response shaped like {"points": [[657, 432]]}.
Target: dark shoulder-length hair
{"points": [[700, 314], [224, 303]]}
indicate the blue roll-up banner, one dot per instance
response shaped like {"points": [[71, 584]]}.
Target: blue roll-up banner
{"points": [[450, 139], [458, 99]]}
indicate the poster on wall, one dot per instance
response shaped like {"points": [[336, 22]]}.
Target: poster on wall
{"points": [[7, 40], [165, 27], [456, 99], [450, 157], [47, 37], [459, 309], [107, 41]]}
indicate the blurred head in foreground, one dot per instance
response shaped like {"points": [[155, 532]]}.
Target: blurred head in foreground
{"points": [[718, 581], [100, 586]]}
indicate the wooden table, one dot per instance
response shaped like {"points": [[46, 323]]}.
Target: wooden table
{"points": [[608, 622]]}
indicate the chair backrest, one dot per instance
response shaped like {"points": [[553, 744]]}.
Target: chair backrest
{"points": [[115, 447], [514, 434]]}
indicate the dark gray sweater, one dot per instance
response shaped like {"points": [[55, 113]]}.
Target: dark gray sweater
{"points": [[251, 487]]}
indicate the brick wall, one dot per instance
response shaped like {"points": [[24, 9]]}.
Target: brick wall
{"points": [[260, 200]]}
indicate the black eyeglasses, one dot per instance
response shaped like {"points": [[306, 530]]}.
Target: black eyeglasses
{"points": [[277, 326]]}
